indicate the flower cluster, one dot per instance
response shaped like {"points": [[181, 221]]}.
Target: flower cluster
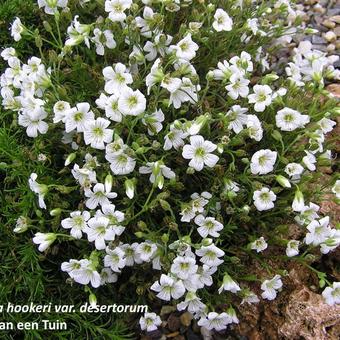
{"points": [[186, 152]]}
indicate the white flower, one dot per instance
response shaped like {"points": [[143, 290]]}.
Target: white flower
{"points": [[259, 245], [185, 48], [184, 267], [326, 125], [319, 231], [17, 29], [294, 170], [154, 122], [115, 218], [237, 118], [249, 297], [102, 39], [243, 62], [149, 322], [308, 214], [8, 53], [78, 33], [51, 6], [215, 321], [208, 226], [99, 230], [33, 122], [238, 87], [116, 9], [168, 288], [121, 163], [254, 128], [204, 275], [115, 259], [131, 254], [98, 196], [44, 240], [77, 118], [143, 23], [117, 79], [60, 110], [262, 162], [298, 202], [107, 276], [192, 303], [288, 119], [210, 255], [21, 225], [146, 250], [199, 153], [336, 189], [70, 266], [76, 222], [86, 274], [158, 171], [222, 22], [263, 199], [159, 45], [270, 287], [229, 284], [174, 139], [262, 97], [309, 161], [97, 134], [332, 294], [39, 189], [131, 102], [292, 248], [187, 92]]}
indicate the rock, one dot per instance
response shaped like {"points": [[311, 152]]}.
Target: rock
{"points": [[328, 23], [173, 323], [318, 40], [190, 335], [167, 310], [322, 48], [330, 48], [307, 316], [186, 319], [319, 9], [337, 46], [330, 36], [173, 335], [337, 31], [334, 89], [333, 11], [335, 18]]}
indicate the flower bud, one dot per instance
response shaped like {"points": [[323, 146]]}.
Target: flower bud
{"points": [[93, 300], [55, 212], [108, 183], [283, 181], [298, 202], [130, 186], [206, 242], [70, 158]]}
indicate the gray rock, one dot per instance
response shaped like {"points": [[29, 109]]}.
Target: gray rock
{"points": [[322, 48], [318, 40], [333, 11]]}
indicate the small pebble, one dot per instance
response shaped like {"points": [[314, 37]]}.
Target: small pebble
{"points": [[330, 48], [330, 36], [336, 19], [337, 31], [328, 23], [318, 40], [319, 9]]}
